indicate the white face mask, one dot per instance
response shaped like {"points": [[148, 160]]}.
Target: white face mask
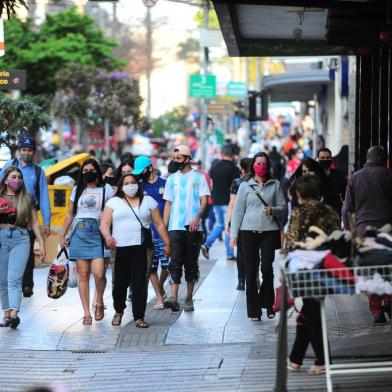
{"points": [[130, 190]]}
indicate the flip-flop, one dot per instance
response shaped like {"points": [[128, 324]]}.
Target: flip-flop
{"points": [[159, 306]]}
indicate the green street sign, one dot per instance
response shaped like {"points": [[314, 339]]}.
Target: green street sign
{"points": [[237, 89], [202, 86]]}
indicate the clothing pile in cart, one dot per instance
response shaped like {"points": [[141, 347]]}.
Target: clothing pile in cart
{"points": [[320, 265], [375, 249]]}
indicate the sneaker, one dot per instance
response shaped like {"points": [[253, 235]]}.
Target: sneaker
{"points": [[172, 304], [27, 291], [232, 258], [205, 251], [188, 305]]}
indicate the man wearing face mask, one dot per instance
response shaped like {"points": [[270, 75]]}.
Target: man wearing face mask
{"points": [[336, 181], [36, 184], [186, 193], [154, 186]]}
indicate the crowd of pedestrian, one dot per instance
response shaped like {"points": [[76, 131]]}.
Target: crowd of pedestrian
{"points": [[152, 228]]}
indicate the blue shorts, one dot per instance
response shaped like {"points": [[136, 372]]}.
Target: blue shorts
{"points": [[159, 257]]}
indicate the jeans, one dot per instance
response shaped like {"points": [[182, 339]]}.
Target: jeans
{"points": [[254, 245], [130, 266], [28, 278], [220, 212], [14, 252]]}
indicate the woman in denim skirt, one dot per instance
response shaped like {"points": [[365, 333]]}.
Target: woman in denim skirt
{"points": [[85, 242], [17, 216]]}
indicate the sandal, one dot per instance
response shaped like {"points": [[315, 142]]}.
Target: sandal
{"points": [[87, 320], [317, 369], [6, 322], [99, 312], [117, 318], [270, 313], [141, 323], [292, 366], [159, 306]]}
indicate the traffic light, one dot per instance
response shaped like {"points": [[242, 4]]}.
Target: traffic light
{"points": [[258, 106]]}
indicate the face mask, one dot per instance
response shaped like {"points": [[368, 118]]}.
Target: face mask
{"points": [[90, 177], [27, 158], [109, 180], [130, 190], [14, 183], [260, 170], [325, 163], [179, 165], [146, 175]]}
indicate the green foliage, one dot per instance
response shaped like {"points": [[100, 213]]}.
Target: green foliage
{"points": [[173, 121], [64, 38], [189, 49], [88, 96], [20, 117], [213, 22], [10, 6]]}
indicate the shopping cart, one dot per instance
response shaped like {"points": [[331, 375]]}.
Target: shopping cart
{"points": [[318, 283]]}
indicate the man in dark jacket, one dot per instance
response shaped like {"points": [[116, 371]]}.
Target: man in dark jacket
{"points": [[369, 196], [336, 181]]}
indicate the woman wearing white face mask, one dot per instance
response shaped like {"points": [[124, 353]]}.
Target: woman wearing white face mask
{"points": [[126, 213]]}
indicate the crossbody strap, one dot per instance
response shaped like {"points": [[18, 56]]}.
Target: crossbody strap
{"points": [[265, 203], [103, 197], [129, 204]]}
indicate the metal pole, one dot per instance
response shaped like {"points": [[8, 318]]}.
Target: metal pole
{"points": [[203, 101], [281, 365], [149, 61]]}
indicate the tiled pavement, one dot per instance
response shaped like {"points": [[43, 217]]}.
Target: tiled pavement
{"points": [[215, 348]]}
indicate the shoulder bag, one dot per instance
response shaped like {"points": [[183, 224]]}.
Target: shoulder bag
{"points": [[278, 241], [146, 233]]}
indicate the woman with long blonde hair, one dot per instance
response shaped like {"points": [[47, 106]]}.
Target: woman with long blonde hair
{"points": [[17, 216]]}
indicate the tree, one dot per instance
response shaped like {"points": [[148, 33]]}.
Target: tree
{"points": [[89, 96], [10, 6], [20, 117], [174, 121], [189, 50], [64, 38]]}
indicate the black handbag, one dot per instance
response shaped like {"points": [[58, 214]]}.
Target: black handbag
{"points": [[146, 233]]}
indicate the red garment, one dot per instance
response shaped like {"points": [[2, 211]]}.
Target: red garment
{"points": [[209, 182], [331, 263], [375, 303], [292, 165]]}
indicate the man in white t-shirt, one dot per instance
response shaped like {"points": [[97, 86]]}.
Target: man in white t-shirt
{"points": [[186, 193]]}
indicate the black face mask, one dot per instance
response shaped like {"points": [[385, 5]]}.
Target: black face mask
{"points": [[145, 176], [109, 180], [90, 177], [325, 163], [179, 165]]}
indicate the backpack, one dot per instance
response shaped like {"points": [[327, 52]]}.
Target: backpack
{"points": [[38, 172]]}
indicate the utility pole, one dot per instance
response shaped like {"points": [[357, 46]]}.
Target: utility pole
{"points": [[203, 101]]}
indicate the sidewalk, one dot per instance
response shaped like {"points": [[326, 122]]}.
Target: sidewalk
{"points": [[214, 348]]}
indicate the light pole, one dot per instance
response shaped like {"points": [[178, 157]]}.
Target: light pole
{"points": [[149, 4]]}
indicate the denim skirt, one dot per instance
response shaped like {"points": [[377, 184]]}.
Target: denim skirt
{"points": [[86, 242]]}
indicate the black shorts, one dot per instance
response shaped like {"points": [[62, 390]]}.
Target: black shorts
{"points": [[185, 246]]}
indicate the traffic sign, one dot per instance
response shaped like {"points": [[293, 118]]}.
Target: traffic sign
{"points": [[202, 86], [237, 89], [12, 79]]}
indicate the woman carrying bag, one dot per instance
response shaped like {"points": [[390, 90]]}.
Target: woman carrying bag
{"points": [[259, 207], [85, 243], [130, 214], [17, 216]]}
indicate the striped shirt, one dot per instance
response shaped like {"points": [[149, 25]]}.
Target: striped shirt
{"points": [[184, 192]]}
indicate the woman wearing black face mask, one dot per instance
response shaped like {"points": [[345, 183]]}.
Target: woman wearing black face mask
{"points": [[86, 245], [107, 170]]}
